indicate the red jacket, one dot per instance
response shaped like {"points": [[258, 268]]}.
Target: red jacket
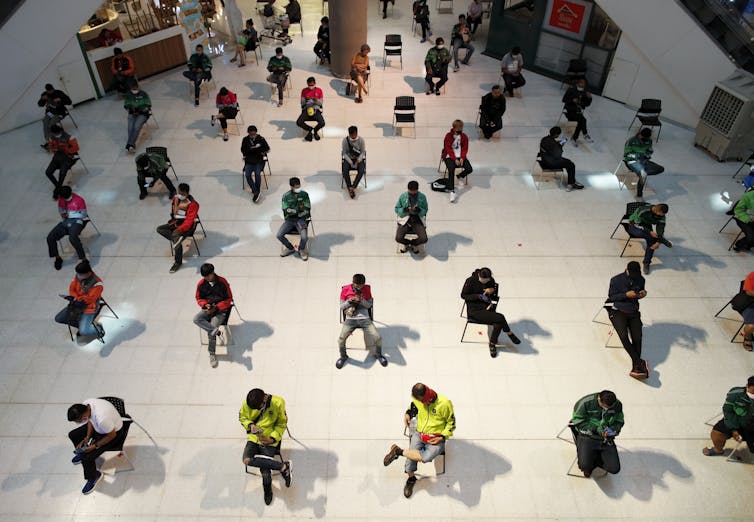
{"points": [[218, 294], [229, 100], [347, 292], [191, 213], [447, 149], [123, 61], [67, 144], [90, 298]]}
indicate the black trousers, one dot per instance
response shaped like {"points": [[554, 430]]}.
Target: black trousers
{"points": [[746, 242], [593, 453], [495, 319], [62, 163], [166, 231], [414, 225], [88, 459], [141, 179], [263, 457], [451, 166], [580, 124], [300, 122], [424, 24], [628, 328], [229, 113], [197, 78], [68, 227], [513, 81], [562, 163], [322, 50], [441, 73], [490, 125]]}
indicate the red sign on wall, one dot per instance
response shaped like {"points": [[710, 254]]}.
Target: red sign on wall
{"points": [[567, 16]]}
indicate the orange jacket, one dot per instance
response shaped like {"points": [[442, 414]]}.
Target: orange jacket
{"points": [[125, 63], [90, 298], [67, 144]]}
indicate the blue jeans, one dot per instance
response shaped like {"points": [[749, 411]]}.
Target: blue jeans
{"points": [[289, 226], [458, 44], [638, 168], [135, 123], [428, 452], [638, 232], [256, 182], [86, 322]]}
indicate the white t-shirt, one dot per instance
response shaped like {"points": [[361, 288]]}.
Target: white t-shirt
{"points": [[105, 418], [456, 145]]}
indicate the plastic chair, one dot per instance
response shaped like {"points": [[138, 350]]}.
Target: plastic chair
{"points": [[101, 303], [266, 171], [393, 47], [735, 335], [648, 115], [163, 151], [538, 173], [404, 114], [120, 452], [630, 209]]}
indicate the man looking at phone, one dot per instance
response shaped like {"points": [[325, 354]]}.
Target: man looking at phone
{"points": [[101, 431], [625, 291], [356, 303], [214, 297], [411, 210], [435, 423], [597, 420], [551, 157]]}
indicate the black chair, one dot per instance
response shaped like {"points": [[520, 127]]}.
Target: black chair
{"points": [[404, 113], [624, 222], [468, 322], [278, 455], [163, 151], [572, 428], [266, 171], [393, 47], [127, 421], [732, 339], [731, 218], [101, 303], [749, 162], [648, 115], [576, 71], [68, 114]]}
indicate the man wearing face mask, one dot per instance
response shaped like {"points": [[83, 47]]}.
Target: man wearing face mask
{"points": [[183, 213], [637, 154], [139, 108], [354, 155], [199, 70], [54, 101], [122, 66], [491, 112], [641, 224], [214, 297], [597, 419], [296, 213], [551, 157], [737, 422], [84, 293], [436, 64], [355, 302], [625, 291], [279, 67], [311, 109], [254, 149], [72, 210], [460, 38], [152, 165], [454, 149], [411, 210], [431, 421], [101, 430], [575, 100], [64, 148], [481, 296]]}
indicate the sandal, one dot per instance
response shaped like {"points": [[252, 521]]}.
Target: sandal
{"points": [[232, 60], [710, 452], [358, 100], [748, 344]]}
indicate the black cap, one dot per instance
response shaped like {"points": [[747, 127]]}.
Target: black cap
{"points": [[750, 382], [634, 268]]}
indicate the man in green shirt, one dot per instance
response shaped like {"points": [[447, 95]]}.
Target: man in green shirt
{"points": [[597, 419], [199, 70], [296, 217], [279, 67], [411, 210], [139, 108], [640, 226], [743, 213], [737, 421], [636, 155], [152, 165], [436, 65]]}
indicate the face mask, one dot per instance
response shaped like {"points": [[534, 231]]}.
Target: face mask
{"points": [[57, 136], [278, 56], [181, 197], [458, 132], [134, 92], [579, 89], [297, 190], [80, 277], [751, 395], [484, 281], [429, 396], [440, 47], [69, 199]]}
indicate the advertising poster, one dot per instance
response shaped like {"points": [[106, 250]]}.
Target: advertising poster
{"points": [[567, 17], [193, 23]]}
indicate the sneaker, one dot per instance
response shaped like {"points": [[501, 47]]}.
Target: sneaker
{"points": [[255, 197], [431, 91], [213, 360], [588, 138], [225, 136], [382, 360], [58, 263], [288, 473], [638, 374], [437, 92], [392, 455], [212, 120], [462, 181], [77, 458], [196, 102], [420, 41], [452, 196], [578, 186], [514, 339], [587, 474], [569, 188], [352, 193], [91, 484], [174, 268], [309, 136], [268, 495], [465, 62], [408, 489], [402, 248], [143, 195], [286, 252], [645, 268], [280, 103], [414, 249], [317, 136], [493, 350], [341, 362], [303, 254], [665, 242], [455, 68]]}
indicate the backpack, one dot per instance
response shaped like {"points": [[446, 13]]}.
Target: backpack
{"points": [[440, 185]]}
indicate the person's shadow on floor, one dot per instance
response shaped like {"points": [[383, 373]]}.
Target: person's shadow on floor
{"points": [[658, 338], [641, 471], [441, 245], [244, 336], [393, 341], [526, 330]]}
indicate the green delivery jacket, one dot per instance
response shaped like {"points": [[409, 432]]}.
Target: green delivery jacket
{"points": [[272, 423], [738, 410], [436, 418], [202, 62], [403, 203], [591, 420], [634, 148], [296, 206], [744, 209]]}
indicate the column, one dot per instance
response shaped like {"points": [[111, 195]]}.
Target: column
{"points": [[348, 30]]}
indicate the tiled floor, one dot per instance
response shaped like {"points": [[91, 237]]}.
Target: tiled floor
{"points": [[550, 251]]}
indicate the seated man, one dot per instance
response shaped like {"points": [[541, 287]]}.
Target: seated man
{"points": [[293, 11], [122, 66], [436, 65], [64, 149], [183, 213], [199, 70], [247, 42], [421, 15], [510, 67], [83, 302], [431, 421], [411, 210], [54, 101], [360, 71], [72, 210], [551, 157], [296, 216], [474, 15], [322, 47], [355, 303], [737, 421], [227, 107], [311, 109], [636, 155], [460, 38], [743, 213], [152, 165], [575, 100], [101, 430], [622, 305], [640, 226], [480, 291], [279, 67], [139, 108], [597, 420], [454, 149], [214, 297], [354, 154], [747, 312], [492, 110], [265, 420], [254, 149]]}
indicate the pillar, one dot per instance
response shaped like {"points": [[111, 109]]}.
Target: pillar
{"points": [[348, 30]]}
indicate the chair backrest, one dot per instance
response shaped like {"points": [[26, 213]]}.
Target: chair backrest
{"points": [[119, 405], [577, 65], [405, 103], [393, 40], [162, 151], [632, 206], [650, 106], [370, 311]]}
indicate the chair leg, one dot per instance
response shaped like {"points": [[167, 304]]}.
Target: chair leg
{"points": [[174, 173], [732, 244], [723, 308], [616, 229], [725, 225], [196, 245], [735, 335], [464, 331], [204, 232], [104, 303], [70, 332], [625, 246]]}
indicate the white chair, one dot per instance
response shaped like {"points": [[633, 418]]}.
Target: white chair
{"points": [[538, 173]]}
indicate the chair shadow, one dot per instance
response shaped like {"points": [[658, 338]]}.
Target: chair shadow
{"points": [[118, 330], [339, 86], [215, 244], [417, 83], [441, 245], [98, 243], [204, 129], [288, 129], [327, 178], [177, 89], [487, 86], [641, 472], [525, 329], [229, 179], [244, 336], [393, 341], [428, 174], [259, 91], [685, 259], [141, 456], [662, 337], [388, 131], [323, 243]]}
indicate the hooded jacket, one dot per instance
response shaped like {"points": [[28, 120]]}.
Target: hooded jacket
{"points": [[403, 203], [272, 420], [217, 293], [138, 103], [436, 418], [87, 291], [645, 218], [191, 213], [472, 292], [591, 420]]}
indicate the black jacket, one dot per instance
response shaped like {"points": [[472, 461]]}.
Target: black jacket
{"points": [[51, 106], [254, 150], [575, 100], [493, 108], [472, 292], [550, 150], [619, 286]]}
